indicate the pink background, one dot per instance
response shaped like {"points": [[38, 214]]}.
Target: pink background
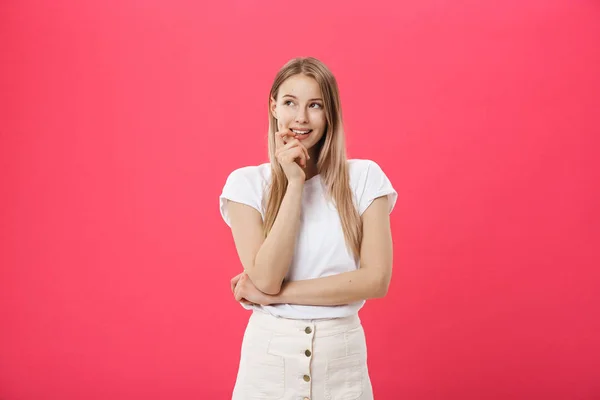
{"points": [[120, 120]]}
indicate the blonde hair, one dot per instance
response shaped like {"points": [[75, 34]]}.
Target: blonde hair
{"points": [[331, 161]]}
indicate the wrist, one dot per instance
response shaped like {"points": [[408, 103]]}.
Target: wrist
{"points": [[296, 183]]}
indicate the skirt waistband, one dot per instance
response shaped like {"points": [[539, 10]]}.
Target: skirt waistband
{"points": [[323, 327]]}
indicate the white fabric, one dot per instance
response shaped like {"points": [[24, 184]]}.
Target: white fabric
{"points": [[290, 359], [320, 247]]}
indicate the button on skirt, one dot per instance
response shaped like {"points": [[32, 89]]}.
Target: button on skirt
{"points": [[289, 359]]}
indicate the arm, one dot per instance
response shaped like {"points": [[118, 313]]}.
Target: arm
{"points": [[344, 288], [371, 280], [267, 260]]}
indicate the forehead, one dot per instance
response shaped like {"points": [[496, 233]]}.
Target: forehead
{"points": [[301, 86]]}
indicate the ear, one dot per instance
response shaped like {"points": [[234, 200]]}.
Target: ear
{"points": [[272, 107]]}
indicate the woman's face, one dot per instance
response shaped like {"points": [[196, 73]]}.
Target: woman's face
{"points": [[299, 106]]}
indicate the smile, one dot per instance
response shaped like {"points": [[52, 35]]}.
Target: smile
{"points": [[301, 132]]}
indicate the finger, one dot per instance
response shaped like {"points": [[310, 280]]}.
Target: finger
{"points": [[291, 144], [279, 143], [279, 137], [238, 294], [293, 154], [305, 151], [295, 143], [286, 135], [235, 280], [303, 156]]}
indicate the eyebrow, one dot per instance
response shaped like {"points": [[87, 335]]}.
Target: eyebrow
{"points": [[294, 97]]}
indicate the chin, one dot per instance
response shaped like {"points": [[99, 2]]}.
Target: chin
{"points": [[311, 139]]}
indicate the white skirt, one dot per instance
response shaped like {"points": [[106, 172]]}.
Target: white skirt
{"points": [[287, 359]]}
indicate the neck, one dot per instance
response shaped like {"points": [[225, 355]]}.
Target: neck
{"points": [[311, 170], [311, 165], [309, 175]]}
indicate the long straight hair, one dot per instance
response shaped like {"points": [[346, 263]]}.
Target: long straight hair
{"points": [[331, 160]]}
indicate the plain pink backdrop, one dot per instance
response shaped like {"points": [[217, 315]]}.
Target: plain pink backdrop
{"points": [[120, 121]]}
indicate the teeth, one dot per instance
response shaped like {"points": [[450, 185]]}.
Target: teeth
{"points": [[301, 132]]}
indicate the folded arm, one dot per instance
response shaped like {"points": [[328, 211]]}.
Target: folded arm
{"points": [[267, 260], [371, 280]]}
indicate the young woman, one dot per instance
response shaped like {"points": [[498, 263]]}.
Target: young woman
{"points": [[312, 232]]}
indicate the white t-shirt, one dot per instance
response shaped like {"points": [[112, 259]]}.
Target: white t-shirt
{"points": [[320, 246]]}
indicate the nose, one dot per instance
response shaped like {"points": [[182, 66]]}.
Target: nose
{"points": [[301, 117]]}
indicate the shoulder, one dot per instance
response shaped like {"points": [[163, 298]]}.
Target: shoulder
{"points": [[245, 185], [247, 182], [252, 174], [359, 169], [358, 165], [369, 182]]}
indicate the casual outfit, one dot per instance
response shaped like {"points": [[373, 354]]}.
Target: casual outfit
{"points": [[300, 352]]}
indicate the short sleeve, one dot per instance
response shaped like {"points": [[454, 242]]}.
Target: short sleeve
{"points": [[376, 184], [242, 186]]}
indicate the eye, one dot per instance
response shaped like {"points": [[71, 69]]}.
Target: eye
{"points": [[317, 104], [286, 102]]}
